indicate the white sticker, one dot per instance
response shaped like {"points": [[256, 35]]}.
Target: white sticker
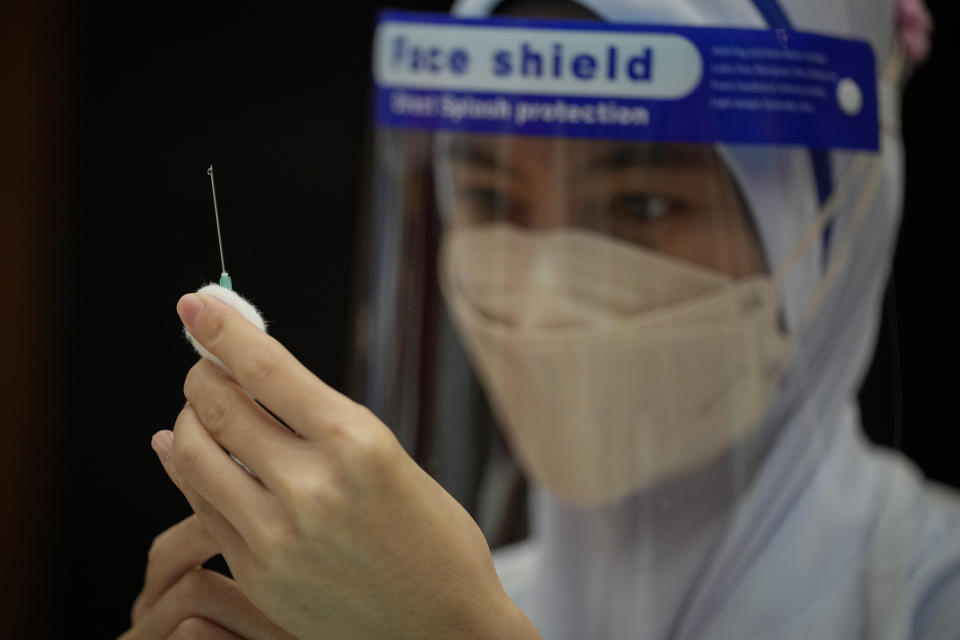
{"points": [[849, 96], [551, 62]]}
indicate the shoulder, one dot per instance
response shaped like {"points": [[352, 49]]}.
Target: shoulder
{"points": [[919, 523], [935, 570]]}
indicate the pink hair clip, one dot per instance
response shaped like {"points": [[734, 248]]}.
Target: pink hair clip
{"points": [[914, 25]]}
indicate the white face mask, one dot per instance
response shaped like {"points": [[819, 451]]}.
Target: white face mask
{"points": [[611, 366]]}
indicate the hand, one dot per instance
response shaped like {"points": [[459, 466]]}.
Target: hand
{"points": [[341, 534], [181, 600]]}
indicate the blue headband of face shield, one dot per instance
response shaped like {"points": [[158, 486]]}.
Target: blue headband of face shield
{"points": [[624, 81]]}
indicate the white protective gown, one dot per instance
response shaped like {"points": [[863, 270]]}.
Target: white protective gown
{"points": [[811, 532]]}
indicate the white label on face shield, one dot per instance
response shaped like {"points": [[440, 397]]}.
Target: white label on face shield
{"points": [[545, 61]]}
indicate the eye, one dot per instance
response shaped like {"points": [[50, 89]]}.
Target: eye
{"points": [[642, 207]]}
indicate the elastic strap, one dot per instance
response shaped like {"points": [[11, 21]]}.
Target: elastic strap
{"points": [[871, 168], [851, 176], [773, 13]]}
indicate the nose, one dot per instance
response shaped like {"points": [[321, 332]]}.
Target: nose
{"points": [[548, 210]]}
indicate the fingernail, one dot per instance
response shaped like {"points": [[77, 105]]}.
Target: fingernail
{"points": [[189, 308], [162, 443]]}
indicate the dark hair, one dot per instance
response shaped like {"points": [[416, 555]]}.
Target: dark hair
{"points": [[544, 9]]}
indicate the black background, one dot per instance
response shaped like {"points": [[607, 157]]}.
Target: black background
{"points": [[276, 97]]}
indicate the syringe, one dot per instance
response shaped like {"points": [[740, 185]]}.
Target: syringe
{"points": [[225, 280]]}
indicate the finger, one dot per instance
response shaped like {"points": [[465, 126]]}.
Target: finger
{"points": [[263, 367], [202, 466], [227, 538], [200, 629], [201, 593], [182, 547], [238, 423]]}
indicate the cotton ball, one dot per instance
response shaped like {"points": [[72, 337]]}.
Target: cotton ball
{"points": [[236, 301]]}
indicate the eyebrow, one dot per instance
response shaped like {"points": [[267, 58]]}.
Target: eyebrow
{"points": [[647, 154], [469, 152]]}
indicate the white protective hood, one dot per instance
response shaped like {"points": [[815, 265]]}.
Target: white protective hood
{"points": [[814, 533]]}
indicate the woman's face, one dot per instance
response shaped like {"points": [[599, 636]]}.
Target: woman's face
{"points": [[677, 199]]}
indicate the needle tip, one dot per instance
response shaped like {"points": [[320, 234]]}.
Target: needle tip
{"points": [[210, 171]]}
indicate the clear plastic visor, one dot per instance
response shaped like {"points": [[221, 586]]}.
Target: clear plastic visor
{"points": [[604, 305]]}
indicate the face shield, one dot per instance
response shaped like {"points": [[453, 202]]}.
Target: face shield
{"points": [[603, 246]]}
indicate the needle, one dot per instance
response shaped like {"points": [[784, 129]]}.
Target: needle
{"points": [[225, 280]]}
